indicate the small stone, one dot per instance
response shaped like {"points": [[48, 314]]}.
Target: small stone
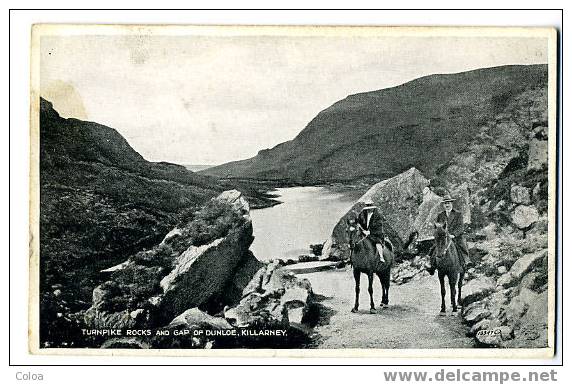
{"points": [[520, 195], [501, 269], [296, 315], [524, 216], [135, 313], [499, 206], [155, 300], [537, 154], [507, 332], [57, 292]]}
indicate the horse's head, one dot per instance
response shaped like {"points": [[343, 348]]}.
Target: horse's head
{"points": [[441, 231], [352, 230]]}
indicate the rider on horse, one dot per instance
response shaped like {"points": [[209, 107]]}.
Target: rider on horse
{"points": [[370, 224], [456, 228]]}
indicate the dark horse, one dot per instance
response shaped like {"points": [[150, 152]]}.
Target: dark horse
{"points": [[448, 264], [364, 259]]}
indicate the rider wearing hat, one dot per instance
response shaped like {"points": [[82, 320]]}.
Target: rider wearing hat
{"points": [[370, 224], [456, 228]]}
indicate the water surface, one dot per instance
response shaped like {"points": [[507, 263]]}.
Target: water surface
{"points": [[306, 216]]}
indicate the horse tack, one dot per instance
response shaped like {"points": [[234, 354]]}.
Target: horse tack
{"points": [[364, 259], [443, 254]]}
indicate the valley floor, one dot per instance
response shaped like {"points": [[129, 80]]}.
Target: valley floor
{"points": [[411, 321]]}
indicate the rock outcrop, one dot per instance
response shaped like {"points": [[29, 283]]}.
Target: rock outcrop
{"points": [[509, 309], [398, 198], [274, 298], [200, 264]]}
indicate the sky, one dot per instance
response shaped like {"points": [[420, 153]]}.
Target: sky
{"points": [[214, 99]]}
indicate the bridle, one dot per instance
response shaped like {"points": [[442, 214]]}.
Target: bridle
{"points": [[353, 228], [450, 241]]}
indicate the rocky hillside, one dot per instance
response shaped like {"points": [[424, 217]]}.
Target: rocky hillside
{"points": [[99, 202], [382, 133], [505, 169]]}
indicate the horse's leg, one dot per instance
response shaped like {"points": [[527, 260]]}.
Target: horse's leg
{"points": [[370, 291], [356, 278], [460, 283], [386, 283], [453, 277], [382, 288], [442, 283]]}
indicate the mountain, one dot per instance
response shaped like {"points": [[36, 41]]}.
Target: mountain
{"points": [[100, 201], [378, 134]]}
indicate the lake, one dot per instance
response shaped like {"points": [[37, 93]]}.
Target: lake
{"points": [[306, 216]]}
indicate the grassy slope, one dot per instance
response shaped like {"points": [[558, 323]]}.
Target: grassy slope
{"points": [[422, 123]]}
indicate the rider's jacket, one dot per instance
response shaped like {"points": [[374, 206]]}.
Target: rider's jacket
{"points": [[370, 219]]}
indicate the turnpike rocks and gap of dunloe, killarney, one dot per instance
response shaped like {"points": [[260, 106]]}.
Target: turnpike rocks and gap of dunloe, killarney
{"points": [[325, 189]]}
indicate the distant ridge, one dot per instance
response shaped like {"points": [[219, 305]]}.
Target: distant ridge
{"points": [[198, 167], [378, 134]]}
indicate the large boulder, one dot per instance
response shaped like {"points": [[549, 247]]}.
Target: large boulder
{"points": [[202, 273], [431, 207], [477, 289], [205, 262], [245, 270], [427, 213], [398, 199], [522, 266]]}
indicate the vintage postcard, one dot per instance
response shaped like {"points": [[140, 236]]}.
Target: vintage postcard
{"points": [[293, 191]]}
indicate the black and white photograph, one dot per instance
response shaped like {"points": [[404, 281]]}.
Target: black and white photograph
{"points": [[294, 190]]}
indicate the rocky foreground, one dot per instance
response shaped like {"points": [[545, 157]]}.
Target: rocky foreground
{"points": [[201, 287]]}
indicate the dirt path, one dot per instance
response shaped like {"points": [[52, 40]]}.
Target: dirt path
{"points": [[412, 319]]}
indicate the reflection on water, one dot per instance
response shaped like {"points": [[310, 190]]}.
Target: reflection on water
{"points": [[306, 216]]}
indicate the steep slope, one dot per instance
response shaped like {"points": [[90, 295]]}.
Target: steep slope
{"points": [[422, 123], [100, 201]]}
